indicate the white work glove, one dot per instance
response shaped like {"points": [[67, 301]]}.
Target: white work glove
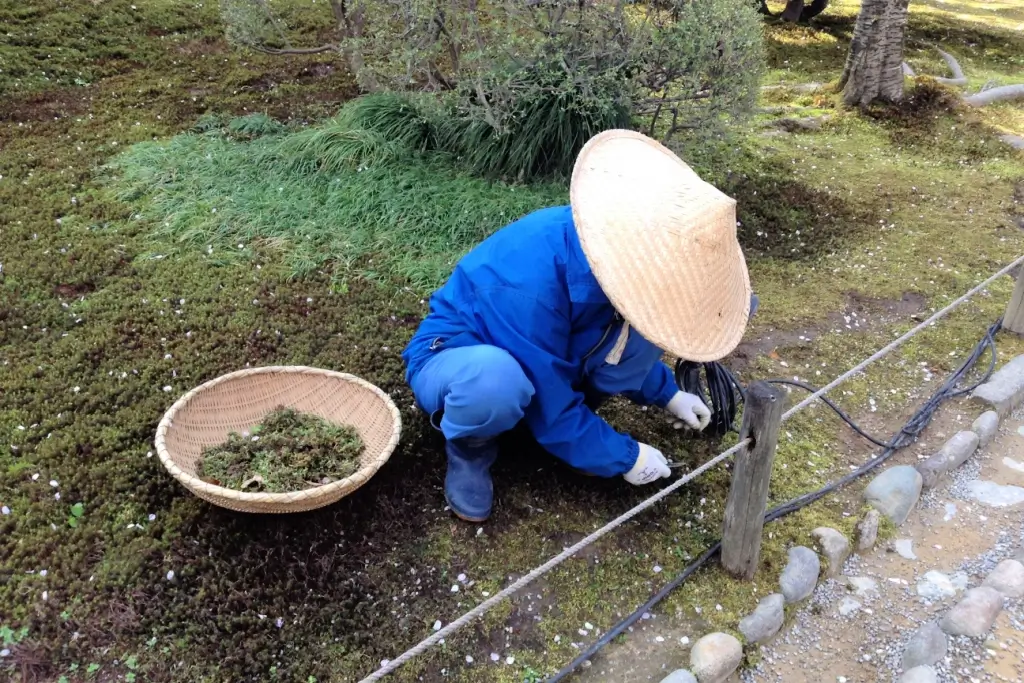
{"points": [[650, 466], [688, 410]]}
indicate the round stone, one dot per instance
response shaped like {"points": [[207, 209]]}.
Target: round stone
{"points": [[920, 674], [800, 575], [974, 615], [1007, 578], [714, 657], [680, 676], [765, 621], [926, 647]]}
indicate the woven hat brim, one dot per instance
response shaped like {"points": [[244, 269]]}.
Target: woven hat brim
{"points": [[662, 244]]}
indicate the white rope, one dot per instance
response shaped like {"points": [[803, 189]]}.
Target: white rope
{"points": [[484, 607]]}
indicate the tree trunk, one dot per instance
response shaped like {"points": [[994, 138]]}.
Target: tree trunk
{"points": [[874, 65], [813, 10], [350, 22], [794, 8]]}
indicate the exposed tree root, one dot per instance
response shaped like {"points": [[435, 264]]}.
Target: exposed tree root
{"points": [[958, 79], [982, 98], [1003, 93]]}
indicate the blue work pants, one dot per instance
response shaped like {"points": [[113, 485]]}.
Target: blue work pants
{"points": [[481, 391]]}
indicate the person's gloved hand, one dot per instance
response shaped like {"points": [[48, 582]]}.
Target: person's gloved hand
{"points": [[650, 466], [688, 410]]}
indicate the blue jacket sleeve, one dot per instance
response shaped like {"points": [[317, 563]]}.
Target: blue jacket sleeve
{"points": [[538, 338], [658, 388]]}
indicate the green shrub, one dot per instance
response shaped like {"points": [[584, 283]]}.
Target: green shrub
{"points": [[526, 82]]}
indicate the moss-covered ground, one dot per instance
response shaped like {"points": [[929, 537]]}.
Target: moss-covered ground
{"points": [[104, 323]]}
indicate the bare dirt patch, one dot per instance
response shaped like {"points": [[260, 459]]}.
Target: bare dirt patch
{"points": [[45, 106], [861, 313]]}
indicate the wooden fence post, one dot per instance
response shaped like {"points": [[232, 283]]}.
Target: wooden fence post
{"points": [[1013, 319], [751, 474]]}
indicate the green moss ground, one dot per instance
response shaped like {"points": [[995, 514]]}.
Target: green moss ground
{"points": [[97, 317]]}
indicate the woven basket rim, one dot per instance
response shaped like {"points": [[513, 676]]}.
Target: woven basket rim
{"points": [[196, 484]]}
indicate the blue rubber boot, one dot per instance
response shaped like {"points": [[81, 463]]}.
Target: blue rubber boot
{"points": [[467, 485]]}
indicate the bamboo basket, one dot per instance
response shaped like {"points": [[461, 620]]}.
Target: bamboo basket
{"points": [[240, 400]]}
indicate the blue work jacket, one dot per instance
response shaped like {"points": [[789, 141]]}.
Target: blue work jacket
{"points": [[529, 290]]}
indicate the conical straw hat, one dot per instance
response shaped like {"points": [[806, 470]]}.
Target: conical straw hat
{"points": [[662, 244]]}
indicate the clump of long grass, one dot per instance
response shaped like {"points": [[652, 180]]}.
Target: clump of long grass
{"points": [[336, 148], [539, 140], [542, 137], [392, 215], [369, 131], [254, 126], [401, 118], [208, 122]]}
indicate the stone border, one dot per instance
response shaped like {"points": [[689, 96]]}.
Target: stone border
{"points": [[894, 492], [1004, 391]]}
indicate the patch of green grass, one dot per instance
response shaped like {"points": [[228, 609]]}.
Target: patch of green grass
{"points": [[407, 221], [252, 126]]}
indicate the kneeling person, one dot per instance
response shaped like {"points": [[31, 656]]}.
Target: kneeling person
{"points": [[570, 305]]}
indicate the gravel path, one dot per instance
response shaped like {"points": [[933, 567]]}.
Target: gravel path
{"points": [[855, 627], [847, 637]]}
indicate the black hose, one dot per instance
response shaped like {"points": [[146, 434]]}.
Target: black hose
{"points": [[839, 411], [719, 389], [903, 438]]}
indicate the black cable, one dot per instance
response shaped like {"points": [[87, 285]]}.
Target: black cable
{"points": [[839, 411], [911, 430], [903, 438], [719, 389]]}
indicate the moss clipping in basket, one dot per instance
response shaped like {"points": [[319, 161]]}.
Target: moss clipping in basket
{"points": [[289, 451]]}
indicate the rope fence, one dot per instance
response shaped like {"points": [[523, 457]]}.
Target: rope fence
{"points": [[389, 666]]}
